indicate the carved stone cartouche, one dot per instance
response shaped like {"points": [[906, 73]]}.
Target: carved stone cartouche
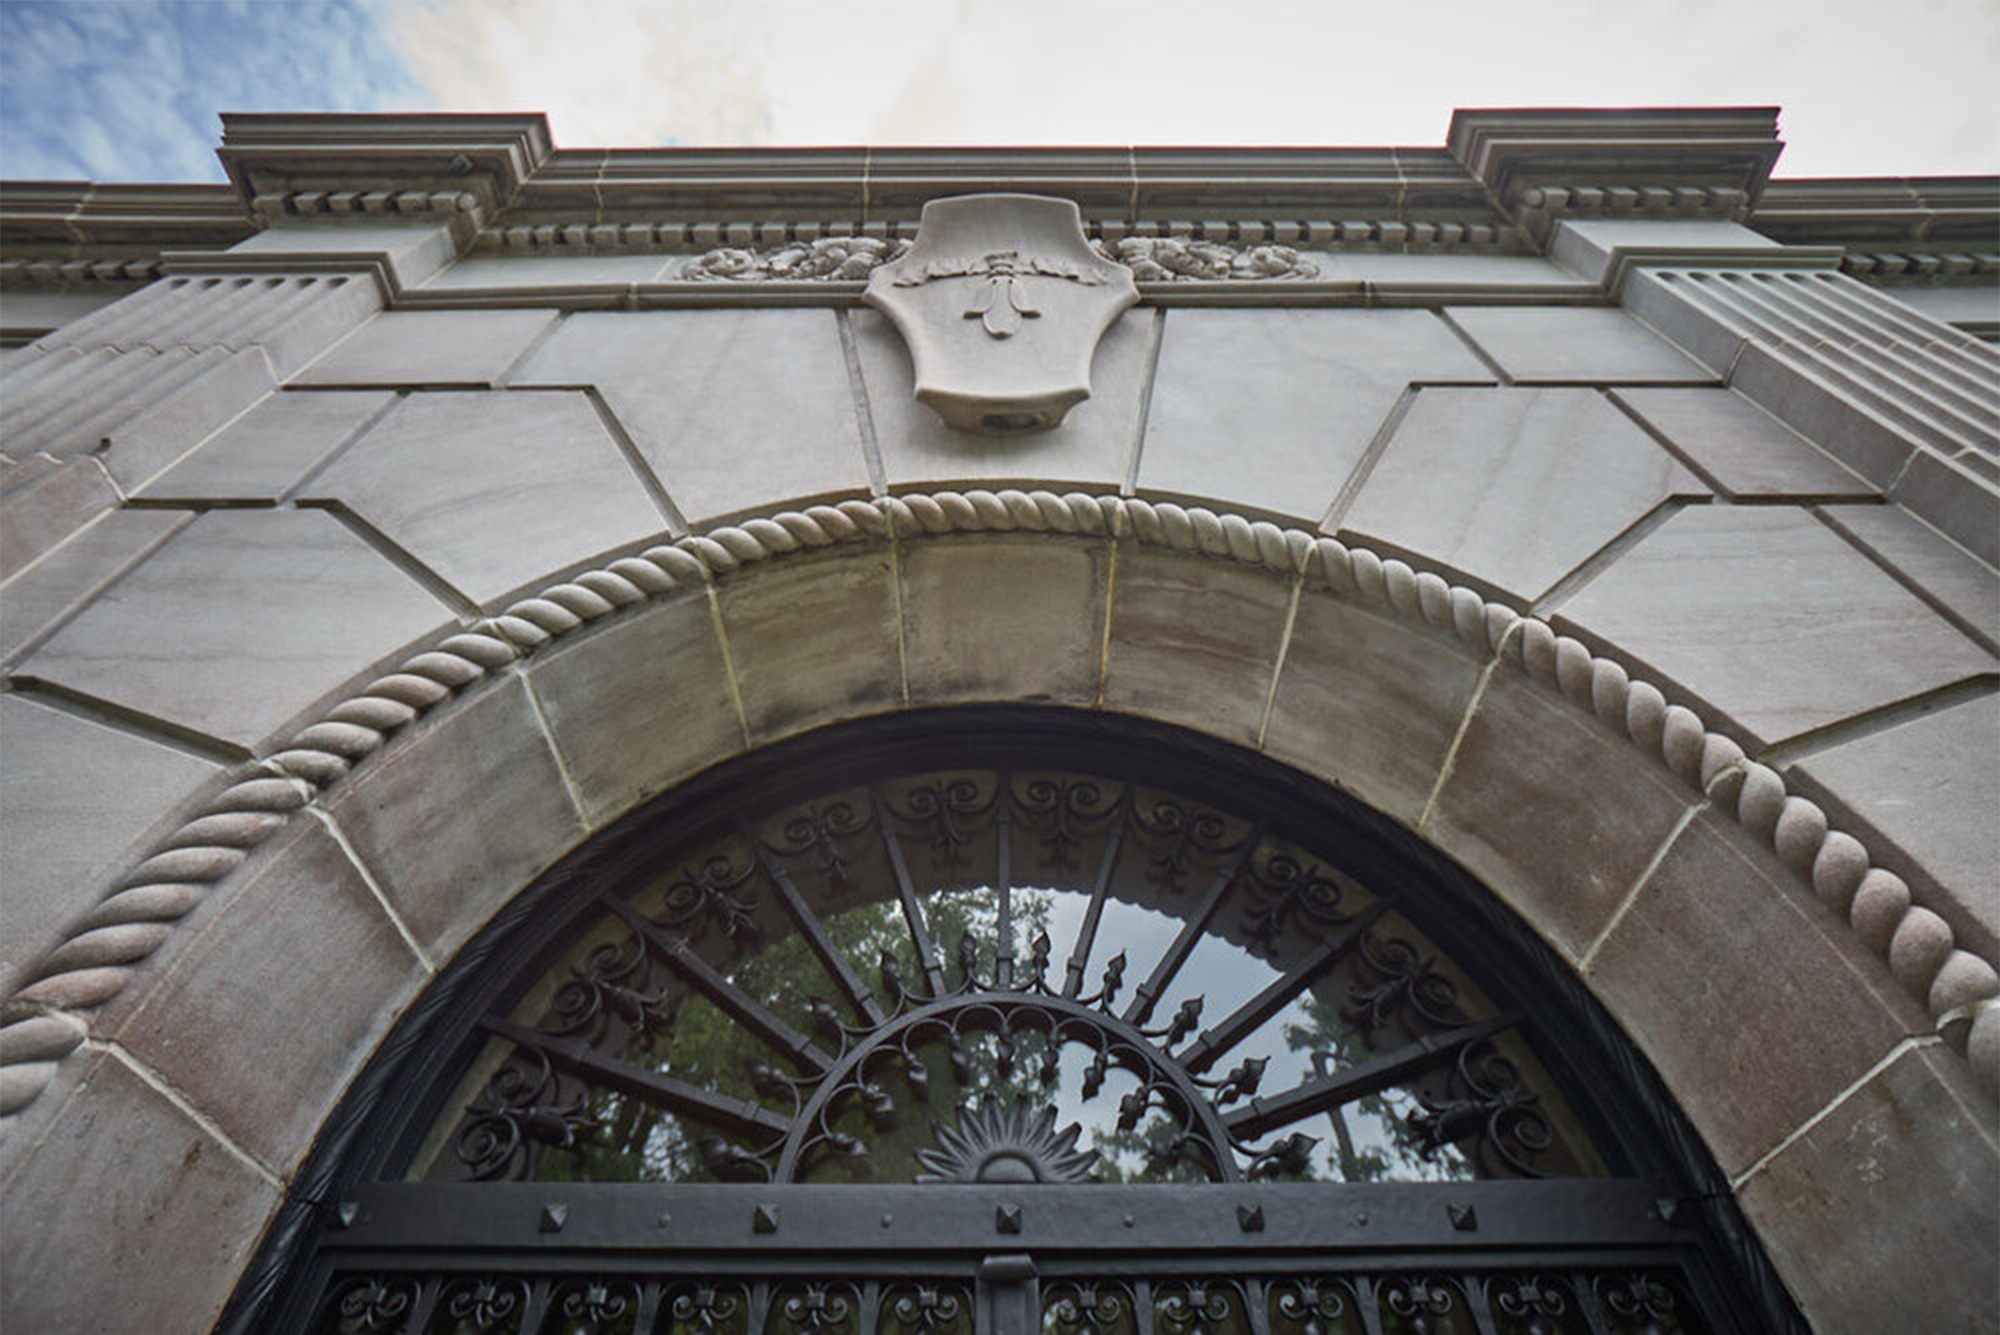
{"points": [[1002, 301]]}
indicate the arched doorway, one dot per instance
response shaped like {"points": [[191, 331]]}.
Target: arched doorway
{"points": [[1005, 1019]]}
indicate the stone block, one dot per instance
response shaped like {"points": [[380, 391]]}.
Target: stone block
{"points": [[1556, 813], [1091, 450], [1194, 641], [127, 1216], [1771, 619], [639, 704], [1882, 1214], [1597, 345], [489, 273], [1515, 487], [429, 348], [992, 618], [76, 801], [1927, 790], [413, 250], [262, 455], [1271, 409], [157, 438], [1965, 588], [455, 818], [1816, 410], [42, 514], [813, 639], [1722, 930], [34, 601], [239, 623], [1369, 703], [493, 491], [1950, 496], [265, 1003], [733, 409], [1745, 449]]}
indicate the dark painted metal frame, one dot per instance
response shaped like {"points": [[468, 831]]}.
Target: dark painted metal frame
{"points": [[1671, 1205]]}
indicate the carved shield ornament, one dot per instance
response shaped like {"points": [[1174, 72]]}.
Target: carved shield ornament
{"points": [[1002, 302]]}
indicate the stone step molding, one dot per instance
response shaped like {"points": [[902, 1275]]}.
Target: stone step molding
{"points": [[49, 1018]]}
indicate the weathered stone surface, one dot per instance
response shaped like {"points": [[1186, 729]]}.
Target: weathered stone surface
{"points": [[298, 922], [125, 1184], [1369, 703], [1928, 789], [429, 348], [1771, 618], [639, 704], [1786, 388], [33, 601], [1573, 343], [1719, 930], [1552, 810], [76, 798], [1091, 448], [1004, 619], [1881, 1216], [142, 448], [493, 490], [1951, 496], [413, 249], [1513, 486], [455, 819], [1967, 587], [239, 622], [1194, 641], [733, 409], [1748, 451], [260, 456], [1272, 409], [42, 514], [814, 640], [514, 272]]}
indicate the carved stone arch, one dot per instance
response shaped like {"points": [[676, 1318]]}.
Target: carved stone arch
{"points": [[1545, 770]]}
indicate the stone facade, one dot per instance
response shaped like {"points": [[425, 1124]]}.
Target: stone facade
{"points": [[1619, 521]]}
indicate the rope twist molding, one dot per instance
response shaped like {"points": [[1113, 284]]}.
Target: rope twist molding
{"points": [[46, 1020]]}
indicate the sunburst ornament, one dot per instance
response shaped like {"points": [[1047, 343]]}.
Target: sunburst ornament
{"points": [[995, 1143]]}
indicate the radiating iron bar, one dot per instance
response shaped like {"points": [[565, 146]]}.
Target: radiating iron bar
{"points": [[1196, 926], [541, 1291], [1257, 1305], [1086, 935], [1251, 1014], [1476, 1290], [660, 1090], [1003, 946], [711, 984], [1370, 1077], [822, 945], [1588, 1303], [913, 913], [1142, 1307], [1368, 1304]]}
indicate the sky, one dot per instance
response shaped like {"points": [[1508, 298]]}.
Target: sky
{"points": [[130, 90]]}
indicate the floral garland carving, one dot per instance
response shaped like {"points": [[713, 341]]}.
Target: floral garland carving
{"points": [[46, 1019]]}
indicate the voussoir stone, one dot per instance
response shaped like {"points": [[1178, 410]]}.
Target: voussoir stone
{"points": [[1515, 487], [1771, 619], [1305, 391], [264, 453], [1573, 343], [729, 408], [493, 489], [1882, 1213], [239, 622], [996, 618], [76, 799], [124, 1183]]}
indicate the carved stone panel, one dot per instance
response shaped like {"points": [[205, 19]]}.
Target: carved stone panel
{"points": [[1002, 301]]}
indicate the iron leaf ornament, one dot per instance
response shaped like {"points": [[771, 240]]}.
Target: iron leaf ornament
{"points": [[1002, 301]]}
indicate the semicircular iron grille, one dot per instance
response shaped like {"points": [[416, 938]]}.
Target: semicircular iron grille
{"points": [[1002, 1036]]}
